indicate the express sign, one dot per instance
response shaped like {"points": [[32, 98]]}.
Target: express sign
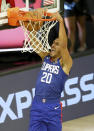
{"points": [[72, 90]]}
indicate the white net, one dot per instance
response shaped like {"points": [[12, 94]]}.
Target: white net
{"points": [[36, 35]]}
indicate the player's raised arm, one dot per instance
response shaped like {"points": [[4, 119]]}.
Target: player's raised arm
{"points": [[66, 60]]}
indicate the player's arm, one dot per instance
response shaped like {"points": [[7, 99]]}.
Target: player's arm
{"points": [[66, 60]]}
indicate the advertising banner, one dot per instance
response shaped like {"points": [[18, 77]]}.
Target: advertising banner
{"points": [[17, 91]]}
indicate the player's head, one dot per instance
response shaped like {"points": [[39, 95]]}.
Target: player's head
{"points": [[55, 48]]}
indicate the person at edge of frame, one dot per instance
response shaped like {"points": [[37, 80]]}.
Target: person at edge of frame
{"points": [[74, 16]]}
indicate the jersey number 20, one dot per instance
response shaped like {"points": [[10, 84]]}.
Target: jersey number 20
{"points": [[47, 77]]}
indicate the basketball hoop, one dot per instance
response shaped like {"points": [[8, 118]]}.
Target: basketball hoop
{"points": [[36, 30]]}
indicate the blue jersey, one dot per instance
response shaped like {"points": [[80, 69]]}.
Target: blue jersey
{"points": [[51, 79]]}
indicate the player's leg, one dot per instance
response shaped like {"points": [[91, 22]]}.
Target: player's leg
{"points": [[37, 126], [81, 19], [36, 117], [54, 117], [71, 28], [69, 18], [81, 32], [54, 126]]}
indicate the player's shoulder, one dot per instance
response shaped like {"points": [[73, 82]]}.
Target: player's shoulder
{"points": [[46, 57], [43, 55], [66, 66]]}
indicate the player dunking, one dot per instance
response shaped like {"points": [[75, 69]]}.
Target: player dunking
{"points": [[45, 113]]}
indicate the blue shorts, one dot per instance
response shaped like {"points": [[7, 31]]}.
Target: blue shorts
{"points": [[74, 9], [45, 115]]}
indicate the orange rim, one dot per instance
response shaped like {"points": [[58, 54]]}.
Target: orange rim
{"points": [[28, 18], [19, 15]]}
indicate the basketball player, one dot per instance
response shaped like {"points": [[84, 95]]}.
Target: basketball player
{"points": [[45, 113]]}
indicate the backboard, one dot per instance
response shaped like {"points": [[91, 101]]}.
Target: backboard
{"points": [[51, 5], [9, 44]]}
